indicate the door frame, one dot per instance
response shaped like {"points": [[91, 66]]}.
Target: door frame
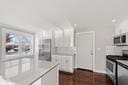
{"points": [[94, 48]]}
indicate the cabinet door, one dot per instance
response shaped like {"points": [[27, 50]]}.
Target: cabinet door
{"points": [[68, 38], [67, 63], [59, 38], [57, 59]]}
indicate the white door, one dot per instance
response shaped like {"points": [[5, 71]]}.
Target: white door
{"points": [[85, 46]]}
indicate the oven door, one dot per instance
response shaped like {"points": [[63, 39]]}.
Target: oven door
{"points": [[111, 70], [117, 40]]}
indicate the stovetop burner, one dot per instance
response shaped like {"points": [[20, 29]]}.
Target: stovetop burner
{"points": [[115, 57]]}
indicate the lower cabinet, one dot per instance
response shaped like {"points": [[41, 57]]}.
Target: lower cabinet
{"points": [[57, 59], [50, 78], [66, 62]]}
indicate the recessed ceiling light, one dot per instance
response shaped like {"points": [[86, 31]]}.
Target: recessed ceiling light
{"points": [[75, 25], [113, 20]]}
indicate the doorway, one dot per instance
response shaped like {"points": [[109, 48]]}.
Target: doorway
{"points": [[85, 50]]}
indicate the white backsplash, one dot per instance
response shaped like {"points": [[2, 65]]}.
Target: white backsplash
{"points": [[114, 50], [65, 50]]}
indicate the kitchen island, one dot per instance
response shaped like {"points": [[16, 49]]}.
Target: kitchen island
{"points": [[42, 73]]}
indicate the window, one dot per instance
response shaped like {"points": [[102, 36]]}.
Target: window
{"points": [[26, 44], [12, 43], [18, 44]]}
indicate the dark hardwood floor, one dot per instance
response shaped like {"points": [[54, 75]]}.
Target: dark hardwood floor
{"points": [[82, 77]]}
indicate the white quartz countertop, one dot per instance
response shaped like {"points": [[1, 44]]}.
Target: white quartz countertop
{"points": [[28, 77]]}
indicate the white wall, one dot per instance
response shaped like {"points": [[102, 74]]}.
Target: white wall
{"points": [[103, 39], [121, 25]]}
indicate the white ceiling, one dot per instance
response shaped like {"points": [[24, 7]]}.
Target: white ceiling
{"points": [[48, 14]]}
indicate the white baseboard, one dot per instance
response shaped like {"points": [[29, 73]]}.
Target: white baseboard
{"points": [[100, 71]]}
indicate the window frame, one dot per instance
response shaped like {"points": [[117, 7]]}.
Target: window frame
{"points": [[19, 54]]}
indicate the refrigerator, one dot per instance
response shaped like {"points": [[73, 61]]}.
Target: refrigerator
{"points": [[45, 49]]}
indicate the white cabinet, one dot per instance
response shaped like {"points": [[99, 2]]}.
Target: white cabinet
{"points": [[66, 62], [68, 38], [58, 35], [64, 38], [57, 59]]}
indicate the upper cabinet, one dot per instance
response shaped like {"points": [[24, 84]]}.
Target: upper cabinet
{"points": [[64, 38], [16, 43], [58, 38]]}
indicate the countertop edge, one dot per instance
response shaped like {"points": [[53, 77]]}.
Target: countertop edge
{"points": [[30, 81]]}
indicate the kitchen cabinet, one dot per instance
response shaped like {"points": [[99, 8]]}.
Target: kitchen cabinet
{"points": [[66, 62], [64, 38], [57, 59], [68, 38], [58, 36]]}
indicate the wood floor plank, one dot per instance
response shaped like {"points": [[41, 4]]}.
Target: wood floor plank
{"points": [[82, 77]]}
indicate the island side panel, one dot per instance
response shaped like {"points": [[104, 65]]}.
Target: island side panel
{"points": [[52, 77]]}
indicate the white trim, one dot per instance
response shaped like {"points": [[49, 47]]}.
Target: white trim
{"points": [[19, 54], [100, 71], [94, 50], [85, 32], [94, 54], [12, 27]]}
